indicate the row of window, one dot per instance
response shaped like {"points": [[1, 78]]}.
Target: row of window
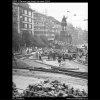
{"points": [[38, 29], [27, 19], [27, 12], [28, 26], [30, 20], [25, 25]]}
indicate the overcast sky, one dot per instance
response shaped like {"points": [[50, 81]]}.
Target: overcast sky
{"points": [[58, 10]]}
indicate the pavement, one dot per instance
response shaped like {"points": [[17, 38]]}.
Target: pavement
{"points": [[22, 81], [23, 78], [32, 61], [67, 64]]}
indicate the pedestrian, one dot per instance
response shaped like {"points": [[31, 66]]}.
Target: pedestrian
{"points": [[70, 57], [37, 54], [48, 56], [59, 60], [63, 57], [53, 56], [40, 57]]}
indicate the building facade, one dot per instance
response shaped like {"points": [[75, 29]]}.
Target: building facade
{"points": [[35, 22], [24, 17], [46, 25]]}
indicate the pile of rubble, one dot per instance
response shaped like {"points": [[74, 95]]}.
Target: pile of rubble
{"points": [[51, 89]]}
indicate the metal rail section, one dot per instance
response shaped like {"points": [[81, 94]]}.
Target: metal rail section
{"points": [[54, 69], [67, 72]]}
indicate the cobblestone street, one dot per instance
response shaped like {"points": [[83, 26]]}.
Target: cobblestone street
{"points": [[23, 78]]}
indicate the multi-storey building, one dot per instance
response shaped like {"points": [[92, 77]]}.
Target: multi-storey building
{"points": [[39, 24], [35, 22], [24, 17], [56, 25], [46, 25]]}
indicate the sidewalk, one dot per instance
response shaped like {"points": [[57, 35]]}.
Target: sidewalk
{"points": [[55, 64], [22, 81], [67, 65], [70, 65]]}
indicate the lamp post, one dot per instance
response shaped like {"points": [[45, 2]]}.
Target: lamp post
{"points": [[67, 13], [86, 20]]}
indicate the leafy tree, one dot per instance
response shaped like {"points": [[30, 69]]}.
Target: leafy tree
{"points": [[26, 38], [16, 39], [44, 40]]}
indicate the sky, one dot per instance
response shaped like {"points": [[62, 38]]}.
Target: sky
{"points": [[58, 10]]}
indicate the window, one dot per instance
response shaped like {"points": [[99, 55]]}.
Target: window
{"points": [[25, 18], [25, 11], [29, 13], [30, 26], [30, 20], [25, 25]]}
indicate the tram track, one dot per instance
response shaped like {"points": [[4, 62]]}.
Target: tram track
{"points": [[70, 73], [67, 72], [54, 69]]}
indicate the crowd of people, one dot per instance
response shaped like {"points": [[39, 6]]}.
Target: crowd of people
{"points": [[81, 55], [50, 89], [62, 55], [56, 88]]}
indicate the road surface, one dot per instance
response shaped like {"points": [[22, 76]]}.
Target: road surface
{"points": [[22, 78]]}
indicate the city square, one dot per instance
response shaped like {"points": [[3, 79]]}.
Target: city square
{"points": [[50, 57]]}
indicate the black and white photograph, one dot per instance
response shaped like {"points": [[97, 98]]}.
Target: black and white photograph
{"points": [[50, 50]]}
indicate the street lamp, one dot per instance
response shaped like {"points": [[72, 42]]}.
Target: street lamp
{"points": [[67, 13], [86, 20]]}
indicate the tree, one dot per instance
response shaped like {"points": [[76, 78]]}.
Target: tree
{"points": [[26, 38], [16, 40], [44, 40], [15, 35]]}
